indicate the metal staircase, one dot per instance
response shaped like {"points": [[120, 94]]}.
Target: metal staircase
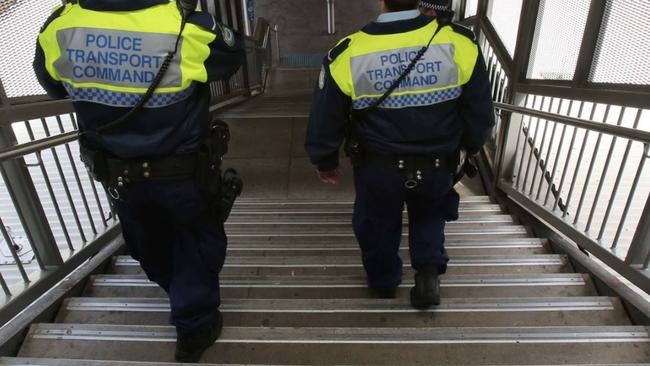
{"points": [[294, 294]]}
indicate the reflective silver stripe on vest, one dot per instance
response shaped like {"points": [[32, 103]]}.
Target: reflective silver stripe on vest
{"points": [[374, 73], [116, 58], [125, 99]]}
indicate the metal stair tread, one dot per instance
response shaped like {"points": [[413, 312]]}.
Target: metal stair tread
{"points": [[360, 312], [352, 261], [337, 220], [349, 335], [67, 362], [351, 305], [346, 230], [345, 209], [557, 279], [485, 244], [253, 201]]}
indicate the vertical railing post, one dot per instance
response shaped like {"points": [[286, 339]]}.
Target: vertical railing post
{"points": [[25, 198], [244, 17], [511, 127], [331, 16], [639, 251], [508, 139]]}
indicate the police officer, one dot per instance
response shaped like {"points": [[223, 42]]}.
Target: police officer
{"points": [[405, 149], [105, 55]]}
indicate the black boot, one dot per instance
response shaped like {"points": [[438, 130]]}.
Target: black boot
{"points": [[190, 348], [426, 292]]}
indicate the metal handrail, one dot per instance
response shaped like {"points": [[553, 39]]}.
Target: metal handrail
{"points": [[613, 130], [38, 145]]}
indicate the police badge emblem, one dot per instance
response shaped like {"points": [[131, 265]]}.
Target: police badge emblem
{"points": [[228, 35]]}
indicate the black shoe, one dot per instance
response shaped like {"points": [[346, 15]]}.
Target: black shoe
{"points": [[385, 293], [426, 292], [190, 348]]}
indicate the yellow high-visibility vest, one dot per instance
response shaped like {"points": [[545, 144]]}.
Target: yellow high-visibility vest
{"points": [[112, 57], [370, 64]]}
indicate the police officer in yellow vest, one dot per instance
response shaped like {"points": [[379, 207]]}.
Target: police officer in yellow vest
{"points": [[416, 90], [137, 73]]}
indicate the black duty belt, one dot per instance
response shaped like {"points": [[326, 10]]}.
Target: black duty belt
{"points": [[412, 165], [409, 162], [175, 167]]}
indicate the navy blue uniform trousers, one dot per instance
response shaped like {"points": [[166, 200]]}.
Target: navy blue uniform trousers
{"points": [[167, 229], [377, 220]]}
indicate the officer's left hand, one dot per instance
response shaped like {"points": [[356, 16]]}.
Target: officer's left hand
{"points": [[331, 177]]}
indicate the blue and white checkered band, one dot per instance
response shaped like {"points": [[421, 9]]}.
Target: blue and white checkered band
{"points": [[122, 99], [411, 100], [436, 7]]}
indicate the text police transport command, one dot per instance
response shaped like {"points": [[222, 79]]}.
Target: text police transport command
{"points": [[115, 57]]}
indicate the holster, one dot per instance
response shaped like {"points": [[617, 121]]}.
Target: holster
{"points": [[352, 146], [465, 166], [96, 163], [222, 190]]}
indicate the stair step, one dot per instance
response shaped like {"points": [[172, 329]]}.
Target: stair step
{"points": [[480, 202], [368, 346], [244, 202], [321, 287], [514, 246], [327, 238], [334, 209], [508, 312], [351, 265], [340, 224], [318, 219], [346, 230], [66, 362]]}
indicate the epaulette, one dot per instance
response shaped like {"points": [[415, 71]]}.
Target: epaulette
{"points": [[338, 50], [204, 20], [464, 31]]}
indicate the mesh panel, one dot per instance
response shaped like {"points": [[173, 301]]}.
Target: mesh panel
{"points": [[20, 21], [623, 53], [504, 16], [555, 54]]}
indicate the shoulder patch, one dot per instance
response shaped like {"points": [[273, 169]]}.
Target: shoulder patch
{"points": [[227, 35], [464, 31], [338, 50], [55, 14]]}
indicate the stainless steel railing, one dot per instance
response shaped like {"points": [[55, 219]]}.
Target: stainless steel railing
{"points": [[580, 166], [590, 164]]}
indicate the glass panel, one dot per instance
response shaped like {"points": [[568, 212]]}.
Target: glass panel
{"points": [[20, 21], [555, 54], [504, 16], [471, 8], [623, 53]]}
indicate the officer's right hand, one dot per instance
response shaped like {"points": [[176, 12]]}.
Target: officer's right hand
{"points": [[330, 177]]}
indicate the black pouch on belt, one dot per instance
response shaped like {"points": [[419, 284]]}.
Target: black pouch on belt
{"points": [[96, 163]]}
